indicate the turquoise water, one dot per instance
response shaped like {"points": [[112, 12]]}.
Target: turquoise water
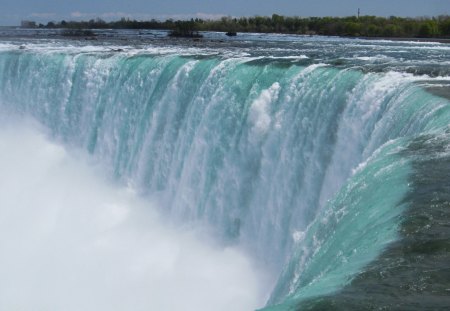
{"points": [[298, 158]]}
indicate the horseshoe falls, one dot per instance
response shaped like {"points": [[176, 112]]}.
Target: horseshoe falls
{"points": [[274, 173]]}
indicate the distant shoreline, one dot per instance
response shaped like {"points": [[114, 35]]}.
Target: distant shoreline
{"points": [[419, 29], [95, 37], [402, 39]]}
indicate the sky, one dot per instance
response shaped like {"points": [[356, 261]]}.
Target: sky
{"points": [[13, 11]]}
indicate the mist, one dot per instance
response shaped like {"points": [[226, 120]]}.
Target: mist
{"points": [[70, 239]]}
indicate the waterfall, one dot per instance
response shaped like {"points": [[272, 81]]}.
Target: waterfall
{"points": [[301, 164]]}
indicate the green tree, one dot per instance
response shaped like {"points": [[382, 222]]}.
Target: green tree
{"points": [[373, 30], [352, 28], [444, 27], [428, 29], [391, 30]]}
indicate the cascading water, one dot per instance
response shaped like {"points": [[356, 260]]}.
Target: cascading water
{"points": [[301, 163]]}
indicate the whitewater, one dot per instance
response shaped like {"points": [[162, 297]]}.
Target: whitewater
{"points": [[266, 172]]}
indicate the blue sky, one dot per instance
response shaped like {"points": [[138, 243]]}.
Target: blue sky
{"points": [[12, 11]]}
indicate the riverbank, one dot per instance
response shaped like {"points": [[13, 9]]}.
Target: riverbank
{"points": [[421, 40], [144, 35]]}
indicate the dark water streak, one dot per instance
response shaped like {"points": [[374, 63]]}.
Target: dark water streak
{"points": [[414, 272]]}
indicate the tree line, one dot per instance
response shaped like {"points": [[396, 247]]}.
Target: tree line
{"points": [[353, 26]]}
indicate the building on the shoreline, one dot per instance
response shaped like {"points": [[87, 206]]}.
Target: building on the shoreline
{"points": [[28, 24]]}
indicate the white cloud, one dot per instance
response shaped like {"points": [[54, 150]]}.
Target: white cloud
{"points": [[78, 14], [144, 16], [210, 16], [190, 15], [115, 15], [43, 15]]}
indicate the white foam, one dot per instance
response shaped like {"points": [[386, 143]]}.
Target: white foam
{"points": [[260, 109], [70, 240]]}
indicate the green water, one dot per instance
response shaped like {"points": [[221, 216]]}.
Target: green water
{"points": [[329, 175]]}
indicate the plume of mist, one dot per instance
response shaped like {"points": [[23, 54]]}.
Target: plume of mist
{"points": [[71, 240]]}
